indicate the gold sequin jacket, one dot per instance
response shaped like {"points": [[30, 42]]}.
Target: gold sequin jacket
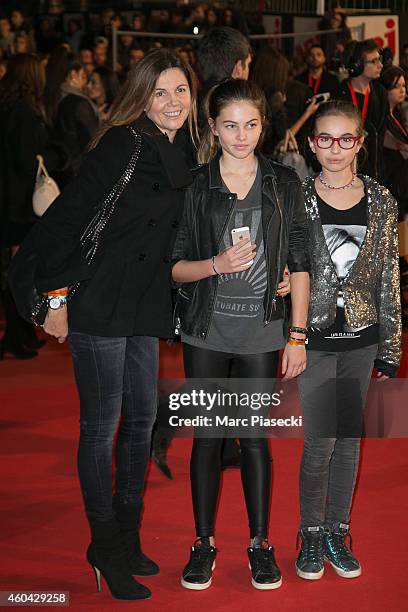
{"points": [[371, 289]]}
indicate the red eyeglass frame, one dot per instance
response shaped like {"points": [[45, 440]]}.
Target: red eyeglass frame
{"points": [[333, 139]]}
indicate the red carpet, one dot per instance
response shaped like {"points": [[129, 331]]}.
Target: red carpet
{"points": [[44, 533]]}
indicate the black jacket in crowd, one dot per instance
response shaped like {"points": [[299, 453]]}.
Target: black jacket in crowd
{"points": [[372, 163], [328, 82], [75, 124], [206, 215], [395, 166], [126, 290], [23, 135]]}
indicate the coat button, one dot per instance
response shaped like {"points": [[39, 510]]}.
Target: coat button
{"points": [[156, 187], [166, 259], [142, 256], [152, 223]]}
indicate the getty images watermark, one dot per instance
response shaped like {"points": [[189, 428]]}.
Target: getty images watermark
{"points": [[226, 408], [222, 400], [272, 408]]}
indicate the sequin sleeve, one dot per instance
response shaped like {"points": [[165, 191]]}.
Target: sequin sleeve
{"points": [[389, 301]]}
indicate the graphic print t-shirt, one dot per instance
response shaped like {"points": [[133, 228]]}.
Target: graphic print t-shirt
{"points": [[344, 231], [237, 325]]}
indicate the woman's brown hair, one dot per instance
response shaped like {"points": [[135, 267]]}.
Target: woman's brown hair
{"points": [[136, 93], [390, 77], [227, 92], [24, 80], [271, 71]]}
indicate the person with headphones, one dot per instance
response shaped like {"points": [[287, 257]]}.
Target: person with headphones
{"points": [[364, 91]]}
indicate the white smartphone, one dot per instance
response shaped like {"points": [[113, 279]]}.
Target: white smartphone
{"points": [[319, 98], [241, 233]]}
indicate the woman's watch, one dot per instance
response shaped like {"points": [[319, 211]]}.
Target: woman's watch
{"points": [[55, 302]]}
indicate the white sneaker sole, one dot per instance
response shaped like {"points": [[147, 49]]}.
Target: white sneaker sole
{"points": [[265, 587], [196, 586], [309, 575], [353, 574]]}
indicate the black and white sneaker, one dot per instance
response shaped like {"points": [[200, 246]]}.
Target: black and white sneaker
{"points": [[310, 561], [197, 575], [338, 554], [265, 573]]}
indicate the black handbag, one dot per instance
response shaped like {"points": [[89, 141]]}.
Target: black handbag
{"points": [[31, 304]]}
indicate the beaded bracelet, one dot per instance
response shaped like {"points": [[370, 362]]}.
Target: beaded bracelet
{"points": [[298, 330]]}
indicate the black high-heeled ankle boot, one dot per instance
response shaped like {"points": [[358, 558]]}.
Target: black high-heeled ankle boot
{"points": [[107, 556], [160, 446], [129, 518], [14, 340], [31, 341], [15, 349]]}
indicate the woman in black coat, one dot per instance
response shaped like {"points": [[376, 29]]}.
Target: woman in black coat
{"points": [[123, 303], [396, 138], [70, 112], [23, 135]]}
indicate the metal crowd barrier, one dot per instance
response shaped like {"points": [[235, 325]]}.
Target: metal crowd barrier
{"points": [[357, 31]]}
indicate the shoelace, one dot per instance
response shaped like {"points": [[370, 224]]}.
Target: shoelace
{"points": [[264, 559], [313, 549], [200, 553], [340, 549]]}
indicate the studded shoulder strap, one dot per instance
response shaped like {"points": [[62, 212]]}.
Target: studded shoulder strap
{"points": [[91, 236]]}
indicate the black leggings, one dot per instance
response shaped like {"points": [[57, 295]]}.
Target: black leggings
{"points": [[205, 466]]}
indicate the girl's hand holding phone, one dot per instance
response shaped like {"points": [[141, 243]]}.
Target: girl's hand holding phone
{"points": [[236, 258]]}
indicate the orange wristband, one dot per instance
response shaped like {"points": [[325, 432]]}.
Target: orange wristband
{"points": [[294, 342], [61, 292]]}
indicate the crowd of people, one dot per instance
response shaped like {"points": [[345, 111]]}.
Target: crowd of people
{"points": [[156, 175], [90, 35]]}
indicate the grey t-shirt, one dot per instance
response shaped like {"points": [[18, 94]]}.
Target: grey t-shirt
{"points": [[238, 325]]}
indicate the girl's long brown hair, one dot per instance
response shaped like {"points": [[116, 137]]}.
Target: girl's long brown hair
{"points": [[24, 80], [136, 93], [271, 71]]}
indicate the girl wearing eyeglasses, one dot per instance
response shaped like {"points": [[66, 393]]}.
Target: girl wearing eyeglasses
{"points": [[354, 324]]}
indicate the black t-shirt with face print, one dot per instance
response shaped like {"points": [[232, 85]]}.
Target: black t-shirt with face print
{"points": [[344, 231]]}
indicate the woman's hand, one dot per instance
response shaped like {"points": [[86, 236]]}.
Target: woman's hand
{"points": [[235, 258], [284, 285], [312, 108], [104, 112], [289, 143], [293, 361], [56, 323]]}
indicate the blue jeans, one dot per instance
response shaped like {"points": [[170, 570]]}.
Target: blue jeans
{"points": [[117, 384]]}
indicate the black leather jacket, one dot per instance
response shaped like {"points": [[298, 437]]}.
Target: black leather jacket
{"points": [[206, 214]]}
